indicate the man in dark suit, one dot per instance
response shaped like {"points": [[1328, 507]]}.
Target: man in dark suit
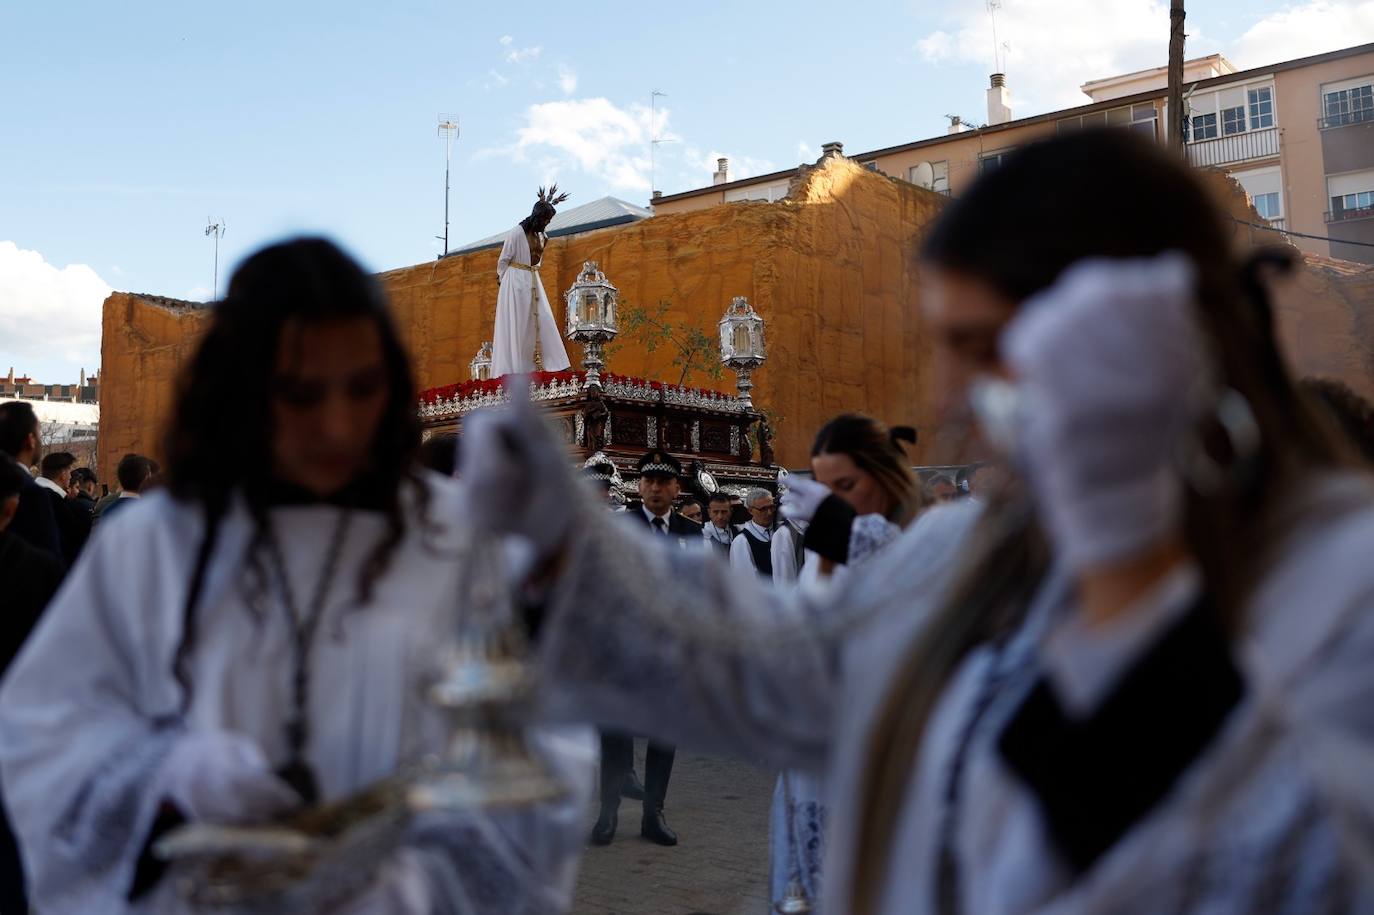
{"points": [[33, 521], [659, 485], [73, 522], [28, 578]]}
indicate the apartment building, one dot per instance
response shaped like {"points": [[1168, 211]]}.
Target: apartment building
{"points": [[1297, 135]]}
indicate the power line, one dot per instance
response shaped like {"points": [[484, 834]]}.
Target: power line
{"points": [[1339, 241]]}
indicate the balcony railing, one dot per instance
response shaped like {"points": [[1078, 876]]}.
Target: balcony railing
{"points": [[1279, 223], [1347, 215], [1360, 116], [1239, 147]]}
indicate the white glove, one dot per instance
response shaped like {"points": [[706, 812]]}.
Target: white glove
{"points": [[1112, 370], [802, 498], [221, 777], [515, 473]]}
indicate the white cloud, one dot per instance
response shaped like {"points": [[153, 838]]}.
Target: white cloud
{"points": [[495, 80], [567, 79], [740, 166], [1054, 46], [806, 152], [600, 138], [506, 41], [1303, 29], [523, 55], [49, 317], [197, 294]]}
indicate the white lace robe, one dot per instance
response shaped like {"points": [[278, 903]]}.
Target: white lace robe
{"points": [[796, 821], [1275, 816], [523, 315], [90, 708]]}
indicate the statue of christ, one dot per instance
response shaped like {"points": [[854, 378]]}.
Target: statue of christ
{"points": [[524, 319]]}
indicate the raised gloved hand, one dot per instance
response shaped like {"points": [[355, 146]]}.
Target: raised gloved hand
{"points": [[1112, 371], [221, 777], [802, 498], [515, 473]]}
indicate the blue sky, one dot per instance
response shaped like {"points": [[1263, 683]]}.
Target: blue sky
{"points": [[127, 125]]}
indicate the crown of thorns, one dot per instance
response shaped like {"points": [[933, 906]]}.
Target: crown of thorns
{"points": [[551, 196]]}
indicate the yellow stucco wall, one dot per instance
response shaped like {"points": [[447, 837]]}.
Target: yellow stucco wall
{"points": [[830, 269]]}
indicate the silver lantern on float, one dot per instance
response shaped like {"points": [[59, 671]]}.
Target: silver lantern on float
{"points": [[742, 346], [480, 366], [592, 303]]}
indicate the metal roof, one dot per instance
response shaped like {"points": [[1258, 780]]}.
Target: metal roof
{"points": [[608, 211]]}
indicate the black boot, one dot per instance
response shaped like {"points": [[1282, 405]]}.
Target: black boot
{"points": [[655, 828], [632, 787], [658, 768], [604, 830]]}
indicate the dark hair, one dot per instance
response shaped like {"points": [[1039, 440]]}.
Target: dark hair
{"points": [[17, 422], [1017, 229], [541, 215], [689, 500], [219, 440], [133, 471], [875, 449], [718, 497], [13, 478], [1352, 413], [84, 475], [55, 463]]}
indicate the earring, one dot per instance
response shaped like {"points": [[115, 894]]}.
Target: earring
{"points": [[1234, 417]]}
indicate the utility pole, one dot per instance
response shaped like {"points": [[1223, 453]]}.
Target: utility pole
{"points": [[653, 137], [1177, 116], [215, 230], [448, 129]]}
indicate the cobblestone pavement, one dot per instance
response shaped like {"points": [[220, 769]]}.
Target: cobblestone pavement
{"points": [[719, 809]]}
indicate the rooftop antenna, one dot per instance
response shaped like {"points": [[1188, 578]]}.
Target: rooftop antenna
{"points": [[448, 129], [993, 7], [653, 136], [215, 230]]}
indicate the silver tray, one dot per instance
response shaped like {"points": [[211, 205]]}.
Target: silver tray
{"points": [[314, 859]]}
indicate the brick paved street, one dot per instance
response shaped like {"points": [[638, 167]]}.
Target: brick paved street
{"points": [[719, 809]]}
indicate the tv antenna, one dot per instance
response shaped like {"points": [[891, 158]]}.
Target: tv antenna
{"points": [[215, 230], [448, 129], [654, 139], [997, 49]]}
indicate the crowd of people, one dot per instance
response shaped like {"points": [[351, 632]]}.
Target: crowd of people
{"points": [[1123, 666]]}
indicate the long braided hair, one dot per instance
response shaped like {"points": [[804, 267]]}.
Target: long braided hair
{"points": [[219, 441]]}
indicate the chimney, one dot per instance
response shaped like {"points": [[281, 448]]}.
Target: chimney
{"points": [[657, 194], [999, 100], [832, 150], [722, 174], [83, 378], [956, 124]]}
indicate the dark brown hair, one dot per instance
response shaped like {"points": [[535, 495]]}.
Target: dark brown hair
{"points": [[219, 440], [876, 450], [1018, 229]]}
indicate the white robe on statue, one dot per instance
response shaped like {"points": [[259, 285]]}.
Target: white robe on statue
{"points": [[523, 314], [90, 708], [1273, 816]]}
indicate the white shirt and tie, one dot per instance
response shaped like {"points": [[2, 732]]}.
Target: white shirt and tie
{"points": [[658, 522]]}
